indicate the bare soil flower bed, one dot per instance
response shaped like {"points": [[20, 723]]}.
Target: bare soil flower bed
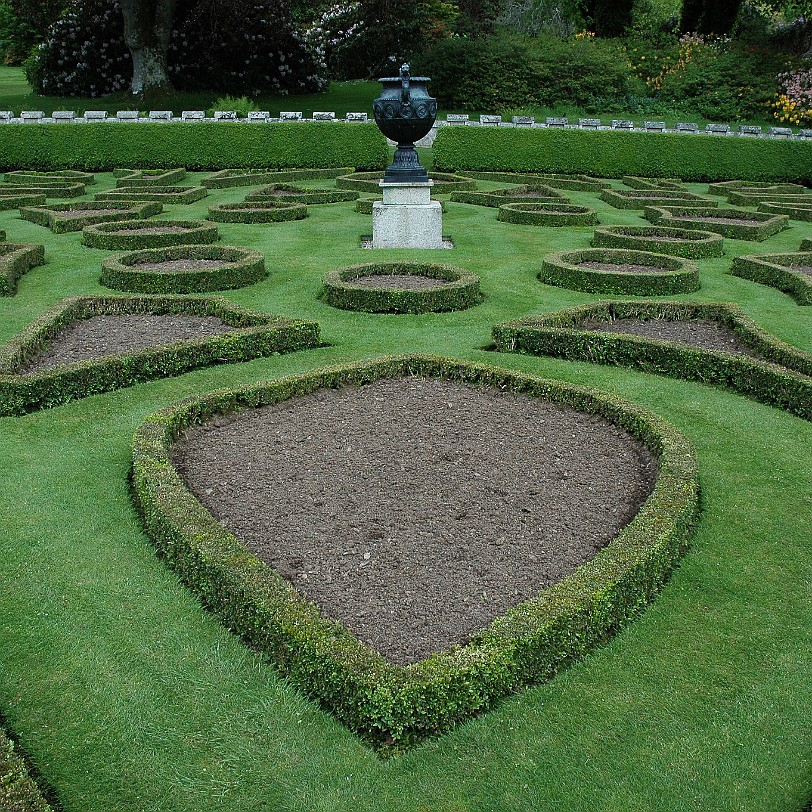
{"points": [[805, 269], [112, 334], [416, 511], [397, 282]]}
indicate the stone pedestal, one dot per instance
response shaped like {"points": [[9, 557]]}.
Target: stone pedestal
{"points": [[407, 217]]}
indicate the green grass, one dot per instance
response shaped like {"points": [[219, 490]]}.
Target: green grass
{"points": [[128, 696]]}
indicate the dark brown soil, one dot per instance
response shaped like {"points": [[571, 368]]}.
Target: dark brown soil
{"points": [[708, 335], [621, 267], [416, 511], [397, 282], [108, 335], [806, 269], [175, 265]]}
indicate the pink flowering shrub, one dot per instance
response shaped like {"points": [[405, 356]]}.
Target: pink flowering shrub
{"points": [[793, 104]]}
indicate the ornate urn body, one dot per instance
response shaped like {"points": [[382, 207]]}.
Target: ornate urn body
{"points": [[405, 113]]}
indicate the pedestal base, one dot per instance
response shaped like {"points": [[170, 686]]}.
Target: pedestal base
{"points": [[407, 217]]}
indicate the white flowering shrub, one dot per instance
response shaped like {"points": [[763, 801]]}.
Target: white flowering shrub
{"points": [[239, 47]]}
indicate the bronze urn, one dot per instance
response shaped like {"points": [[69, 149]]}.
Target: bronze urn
{"points": [[405, 113]]}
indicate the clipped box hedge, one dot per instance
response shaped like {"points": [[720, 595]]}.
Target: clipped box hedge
{"points": [[8, 202], [776, 270], [385, 704], [640, 198], [677, 242], [27, 177], [228, 178], [197, 146], [546, 214], [460, 292], [18, 790], [288, 193], [723, 188], [258, 335], [753, 198], [260, 211], [517, 194], [144, 178], [775, 381], [762, 225], [59, 216], [370, 182], [564, 269], [15, 260], [575, 182], [612, 154], [795, 211], [54, 189], [118, 236], [634, 182], [126, 272], [165, 194]]}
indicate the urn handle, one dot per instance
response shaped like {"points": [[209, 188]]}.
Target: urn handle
{"points": [[405, 98]]}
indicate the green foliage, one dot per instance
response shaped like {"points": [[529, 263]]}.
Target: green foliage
{"points": [[206, 145], [779, 271], [58, 178], [115, 236], [59, 217], [461, 292], [613, 154], [163, 194], [228, 178], [564, 269], [560, 334], [288, 193], [241, 267], [677, 242], [765, 225], [383, 703], [17, 201], [241, 105], [260, 211], [370, 182], [18, 791], [515, 194], [15, 260], [640, 198], [139, 178], [259, 335], [546, 214]]}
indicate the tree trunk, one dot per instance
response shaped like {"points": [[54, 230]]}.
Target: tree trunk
{"points": [[147, 29]]}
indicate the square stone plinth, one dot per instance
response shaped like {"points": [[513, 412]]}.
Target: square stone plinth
{"points": [[407, 217]]}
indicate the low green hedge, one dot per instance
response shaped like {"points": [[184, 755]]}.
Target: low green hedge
{"points": [[386, 704], [546, 214], [53, 215], [287, 193], [677, 242], [113, 236], [8, 202], [228, 178], [612, 154], [15, 260], [634, 182], [516, 194], [564, 269], [753, 198], [18, 791], [258, 335], [141, 178], [775, 381], [370, 182], [197, 146], [260, 211], [461, 292], [243, 267], [49, 189], [762, 225], [166, 194], [573, 182], [795, 211], [776, 271], [640, 198], [25, 177], [724, 187]]}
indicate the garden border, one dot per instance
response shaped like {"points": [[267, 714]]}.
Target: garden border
{"points": [[165, 194], [48, 214], [17, 259], [681, 217], [644, 238], [553, 215], [146, 178], [759, 268], [499, 197], [257, 211], [300, 194], [444, 182], [106, 236]]}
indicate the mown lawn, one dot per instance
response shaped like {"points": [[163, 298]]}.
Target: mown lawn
{"points": [[127, 695]]}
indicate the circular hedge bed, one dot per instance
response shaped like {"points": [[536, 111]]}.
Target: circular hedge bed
{"points": [[795, 211], [287, 193], [353, 288], [677, 242], [518, 194], [619, 271], [546, 214], [259, 211], [129, 235], [183, 269], [370, 182]]}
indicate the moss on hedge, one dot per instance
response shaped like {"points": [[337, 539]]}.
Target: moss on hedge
{"points": [[260, 211], [288, 193], [165, 194], [228, 178], [144, 178], [52, 216], [546, 214], [109, 236], [242, 267], [258, 335], [391, 705], [640, 198], [778, 380], [15, 260], [516, 194], [686, 217], [18, 791], [564, 269], [370, 182], [776, 270], [677, 242], [461, 292]]}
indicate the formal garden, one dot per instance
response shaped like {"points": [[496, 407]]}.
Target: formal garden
{"points": [[292, 523]]}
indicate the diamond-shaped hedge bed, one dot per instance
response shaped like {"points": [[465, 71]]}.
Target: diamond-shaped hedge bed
{"points": [[237, 334], [386, 703]]}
